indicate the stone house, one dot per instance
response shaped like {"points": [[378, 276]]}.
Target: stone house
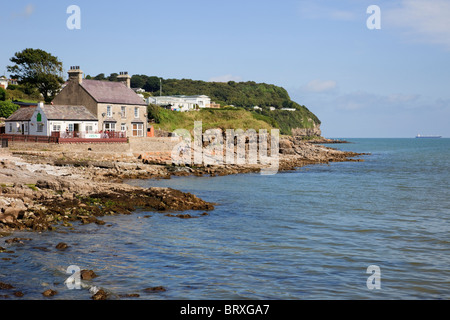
{"points": [[116, 106]]}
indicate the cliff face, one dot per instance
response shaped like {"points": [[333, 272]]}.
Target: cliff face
{"points": [[307, 132]]}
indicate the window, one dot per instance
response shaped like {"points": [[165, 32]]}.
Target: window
{"points": [[89, 128], [109, 111], [138, 130], [70, 127], [25, 126], [123, 127], [136, 112], [123, 111], [40, 127], [110, 126], [56, 128], [39, 117]]}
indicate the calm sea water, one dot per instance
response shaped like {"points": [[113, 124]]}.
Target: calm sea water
{"points": [[306, 234]]}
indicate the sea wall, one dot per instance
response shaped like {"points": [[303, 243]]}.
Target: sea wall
{"points": [[136, 148]]}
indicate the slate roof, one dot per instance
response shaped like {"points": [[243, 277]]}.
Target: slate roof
{"points": [[58, 112], [111, 92], [22, 114], [55, 112]]}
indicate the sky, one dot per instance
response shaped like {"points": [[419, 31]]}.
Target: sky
{"points": [[361, 82]]}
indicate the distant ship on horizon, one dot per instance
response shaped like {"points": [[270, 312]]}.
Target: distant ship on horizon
{"points": [[421, 136]]}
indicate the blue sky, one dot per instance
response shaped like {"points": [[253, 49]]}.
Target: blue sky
{"points": [[391, 82]]}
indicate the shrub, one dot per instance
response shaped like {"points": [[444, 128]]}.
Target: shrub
{"points": [[7, 108]]}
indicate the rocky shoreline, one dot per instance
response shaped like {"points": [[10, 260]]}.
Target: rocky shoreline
{"points": [[40, 191]]}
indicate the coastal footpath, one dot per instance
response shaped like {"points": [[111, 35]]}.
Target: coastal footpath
{"points": [[44, 189]]}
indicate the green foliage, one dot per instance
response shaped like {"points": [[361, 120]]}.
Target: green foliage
{"points": [[234, 96], [2, 94], [100, 76], [38, 69], [113, 77], [7, 108], [149, 84], [239, 94], [22, 92], [169, 120]]}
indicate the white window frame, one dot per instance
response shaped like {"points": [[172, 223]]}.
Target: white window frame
{"points": [[109, 111], [56, 127], [89, 128], [123, 111], [136, 112], [111, 125]]}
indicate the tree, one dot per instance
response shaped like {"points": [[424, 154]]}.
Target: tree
{"points": [[138, 81], [38, 69], [7, 108], [2, 94], [113, 77], [152, 84], [100, 76]]}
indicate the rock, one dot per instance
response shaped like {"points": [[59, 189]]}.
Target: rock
{"points": [[19, 294], [61, 246], [129, 295], [88, 275], [49, 293], [17, 240], [100, 295], [6, 286], [155, 289]]}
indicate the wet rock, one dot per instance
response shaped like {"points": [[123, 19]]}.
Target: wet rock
{"points": [[62, 246], [6, 286], [88, 275], [19, 294], [17, 240], [100, 295], [49, 293], [181, 216], [155, 289], [129, 295]]}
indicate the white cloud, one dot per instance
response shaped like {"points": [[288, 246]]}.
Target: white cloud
{"points": [[319, 86], [422, 20], [225, 78]]}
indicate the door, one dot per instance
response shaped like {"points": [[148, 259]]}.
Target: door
{"points": [[76, 129]]}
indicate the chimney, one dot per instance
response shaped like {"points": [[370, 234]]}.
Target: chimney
{"points": [[125, 78], [75, 74]]}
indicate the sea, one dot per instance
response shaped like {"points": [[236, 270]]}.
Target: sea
{"points": [[371, 230]]}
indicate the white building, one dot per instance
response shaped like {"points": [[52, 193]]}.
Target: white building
{"points": [[3, 82], [181, 102], [45, 119]]}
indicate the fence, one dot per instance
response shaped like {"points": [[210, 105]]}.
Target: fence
{"points": [[70, 137], [28, 138]]}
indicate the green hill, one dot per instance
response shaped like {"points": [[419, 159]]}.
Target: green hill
{"points": [[243, 96], [246, 95]]}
